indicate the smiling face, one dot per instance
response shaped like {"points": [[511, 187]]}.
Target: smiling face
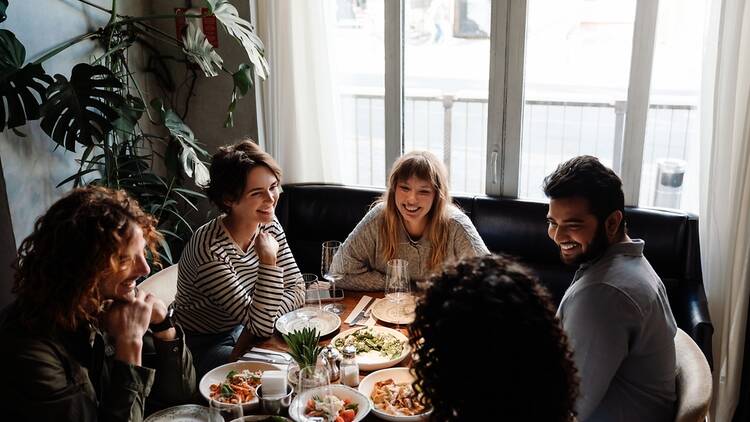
{"points": [[259, 199], [133, 265], [414, 199], [575, 230]]}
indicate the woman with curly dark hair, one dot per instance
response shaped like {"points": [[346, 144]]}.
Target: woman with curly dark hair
{"points": [[487, 342]]}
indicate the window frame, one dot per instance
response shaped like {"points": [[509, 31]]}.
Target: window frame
{"points": [[506, 99]]}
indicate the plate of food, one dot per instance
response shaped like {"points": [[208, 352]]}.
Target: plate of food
{"points": [[181, 413], [330, 403], [392, 395], [235, 383], [401, 312], [324, 322], [377, 347]]}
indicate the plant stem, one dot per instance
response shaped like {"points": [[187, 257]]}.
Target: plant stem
{"points": [[65, 45], [95, 6], [113, 13]]}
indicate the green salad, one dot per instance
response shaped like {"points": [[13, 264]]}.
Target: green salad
{"points": [[367, 340]]}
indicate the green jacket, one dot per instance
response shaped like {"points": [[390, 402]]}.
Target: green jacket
{"points": [[74, 376]]}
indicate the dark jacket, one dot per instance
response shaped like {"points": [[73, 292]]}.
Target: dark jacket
{"points": [[74, 376]]}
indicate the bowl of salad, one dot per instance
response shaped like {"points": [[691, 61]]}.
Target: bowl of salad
{"points": [[235, 382], [393, 397], [335, 402], [377, 347]]}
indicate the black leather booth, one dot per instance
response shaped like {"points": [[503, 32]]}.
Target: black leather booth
{"points": [[313, 213]]}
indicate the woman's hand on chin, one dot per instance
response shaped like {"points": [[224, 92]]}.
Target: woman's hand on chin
{"points": [[267, 248]]}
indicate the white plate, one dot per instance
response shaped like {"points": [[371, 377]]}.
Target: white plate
{"points": [[219, 374], [398, 375], [297, 408], [373, 360], [182, 413], [323, 321], [395, 313]]}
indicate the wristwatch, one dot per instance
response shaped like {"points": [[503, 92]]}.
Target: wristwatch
{"points": [[166, 324]]}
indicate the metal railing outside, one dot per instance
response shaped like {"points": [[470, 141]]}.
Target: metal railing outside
{"points": [[455, 128]]}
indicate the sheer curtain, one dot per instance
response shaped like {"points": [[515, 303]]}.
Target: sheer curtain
{"points": [[301, 105], [725, 193]]}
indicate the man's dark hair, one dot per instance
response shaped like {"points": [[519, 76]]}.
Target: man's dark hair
{"points": [[229, 169], [487, 341], [586, 177]]}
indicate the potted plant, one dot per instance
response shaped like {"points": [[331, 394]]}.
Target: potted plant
{"points": [[122, 133], [304, 348]]}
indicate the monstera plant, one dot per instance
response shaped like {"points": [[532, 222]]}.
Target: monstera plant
{"points": [[102, 112]]}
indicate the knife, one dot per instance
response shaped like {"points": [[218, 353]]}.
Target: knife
{"points": [[364, 315]]}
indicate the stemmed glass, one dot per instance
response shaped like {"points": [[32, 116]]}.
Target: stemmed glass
{"points": [[397, 286], [223, 412], [330, 272]]}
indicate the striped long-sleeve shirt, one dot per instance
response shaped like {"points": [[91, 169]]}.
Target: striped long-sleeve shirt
{"points": [[219, 286]]}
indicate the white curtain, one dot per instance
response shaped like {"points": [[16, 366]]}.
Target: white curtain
{"points": [[301, 105], [725, 193]]}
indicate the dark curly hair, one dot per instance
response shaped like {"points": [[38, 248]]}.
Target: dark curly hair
{"points": [[75, 245], [487, 342], [584, 176], [229, 169]]}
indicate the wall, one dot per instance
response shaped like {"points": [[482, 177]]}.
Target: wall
{"points": [[32, 166]]}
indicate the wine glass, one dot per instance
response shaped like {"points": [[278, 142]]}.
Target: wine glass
{"points": [[223, 412], [397, 287], [330, 272]]}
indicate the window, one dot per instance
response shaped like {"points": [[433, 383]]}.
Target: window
{"points": [[506, 90]]}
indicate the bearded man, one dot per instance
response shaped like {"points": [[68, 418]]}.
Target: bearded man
{"points": [[616, 312]]}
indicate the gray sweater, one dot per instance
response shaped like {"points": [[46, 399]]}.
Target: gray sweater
{"points": [[362, 263]]}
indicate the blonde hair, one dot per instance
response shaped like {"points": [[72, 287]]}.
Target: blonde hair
{"points": [[426, 166]]}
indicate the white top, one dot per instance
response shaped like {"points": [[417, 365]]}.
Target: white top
{"points": [[220, 286]]}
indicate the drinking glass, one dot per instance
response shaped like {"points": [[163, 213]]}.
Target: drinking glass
{"points": [[223, 412], [309, 282], [330, 272], [398, 288], [312, 378]]}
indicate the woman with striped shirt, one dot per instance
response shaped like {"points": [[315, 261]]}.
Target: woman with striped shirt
{"points": [[237, 270]]}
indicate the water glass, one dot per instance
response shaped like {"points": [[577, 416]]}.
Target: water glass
{"points": [[397, 287], [330, 272], [223, 412]]}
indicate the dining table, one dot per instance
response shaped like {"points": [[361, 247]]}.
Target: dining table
{"points": [[350, 300]]}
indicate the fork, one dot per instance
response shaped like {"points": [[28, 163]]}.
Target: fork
{"points": [[364, 316]]}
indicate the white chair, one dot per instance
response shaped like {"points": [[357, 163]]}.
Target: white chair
{"points": [[162, 284], [694, 382]]}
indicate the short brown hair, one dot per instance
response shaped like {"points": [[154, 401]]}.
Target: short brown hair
{"points": [[229, 169], [74, 246]]}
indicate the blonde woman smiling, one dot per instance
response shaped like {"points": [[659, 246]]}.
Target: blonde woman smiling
{"points": [[414, 220]]}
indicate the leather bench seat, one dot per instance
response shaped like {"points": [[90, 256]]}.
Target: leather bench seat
{"points": [[313, 213]]}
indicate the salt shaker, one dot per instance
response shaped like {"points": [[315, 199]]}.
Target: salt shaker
{"points": [[331, 358], [350, 367]]}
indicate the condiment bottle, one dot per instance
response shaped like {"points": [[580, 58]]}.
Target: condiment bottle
{"points": [[331, 358], [350, 367]]}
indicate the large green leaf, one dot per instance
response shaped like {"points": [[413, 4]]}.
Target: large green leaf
{"points": [[130, 112], [243, 81], [22, 89], [243, 31], [83, 109], [3, 6], [199, 50]]}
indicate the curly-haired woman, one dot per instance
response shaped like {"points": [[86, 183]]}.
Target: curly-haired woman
{"points": [[488, 343], [75, 345], [414, 220], [237, 270]]}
